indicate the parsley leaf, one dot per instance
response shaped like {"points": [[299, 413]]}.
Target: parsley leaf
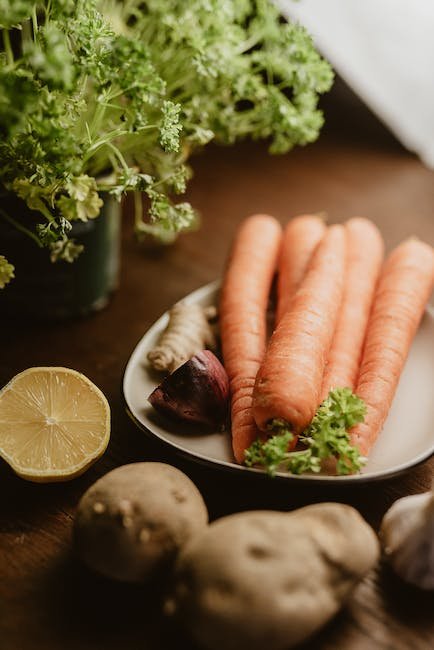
{"points": [[326, 437], [6, 271]]}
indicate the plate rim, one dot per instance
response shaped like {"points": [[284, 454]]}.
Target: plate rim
{"points": [[232, 467]]}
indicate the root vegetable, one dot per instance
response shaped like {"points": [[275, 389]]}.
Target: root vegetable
{"points": [[132, 522], [404, 288], [288, 382], [363, 264], [243, 318], [301, 237], [198, 392], [187, 333], [270, 579]]}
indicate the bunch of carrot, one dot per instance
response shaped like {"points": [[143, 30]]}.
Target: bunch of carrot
{"points": [[343, 319]]}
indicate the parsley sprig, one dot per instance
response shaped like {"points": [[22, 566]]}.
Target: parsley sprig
{"points": [[108, 96], [6, 271], [326, 437]]}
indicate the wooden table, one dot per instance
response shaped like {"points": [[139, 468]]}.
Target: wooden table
{"points": [[47, 600]]}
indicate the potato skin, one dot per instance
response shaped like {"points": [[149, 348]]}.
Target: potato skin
{"points": [[132, 522], [270, 580]]}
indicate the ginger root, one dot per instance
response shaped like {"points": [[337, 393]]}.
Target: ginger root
{"points": [[187, 333]]}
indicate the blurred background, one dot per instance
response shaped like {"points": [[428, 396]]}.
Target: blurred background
{"points": [[384, 51]]}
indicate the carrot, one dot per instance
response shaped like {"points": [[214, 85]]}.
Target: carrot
{"points": [[300, 238], [243, 307], [365, 250], [289, 380], [404, 289]]}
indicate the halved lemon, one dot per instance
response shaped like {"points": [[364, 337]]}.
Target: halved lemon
{"points": [[54, 423]]}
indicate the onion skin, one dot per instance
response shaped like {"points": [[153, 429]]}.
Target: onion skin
{"points": [[196, 392]]}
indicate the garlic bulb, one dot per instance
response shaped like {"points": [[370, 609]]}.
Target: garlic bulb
{"points": [[407, 535]]}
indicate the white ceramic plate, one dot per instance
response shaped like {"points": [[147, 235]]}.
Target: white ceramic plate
{"points": [[406, 440]]}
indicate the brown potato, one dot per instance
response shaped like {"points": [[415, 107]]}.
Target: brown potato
{"points": [[269, 580], [131, 523]]}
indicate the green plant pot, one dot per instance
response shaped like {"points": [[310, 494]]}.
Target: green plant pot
{"points": [[45, 290]]}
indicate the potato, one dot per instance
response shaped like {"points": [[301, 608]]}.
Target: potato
{"points": [[269, 580], [131, 523]]}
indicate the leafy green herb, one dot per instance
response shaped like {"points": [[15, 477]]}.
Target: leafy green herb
{"points": [[235, 69], [108, 96], [326, 437], [13, 12], [6, 271]]}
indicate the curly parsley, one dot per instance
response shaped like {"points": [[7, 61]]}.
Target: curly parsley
{"points": [[6, 271], [326, 437], [107, 96]]}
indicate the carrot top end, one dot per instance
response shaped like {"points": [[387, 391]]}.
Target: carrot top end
{"points": [[279, 426], [326, 437]]}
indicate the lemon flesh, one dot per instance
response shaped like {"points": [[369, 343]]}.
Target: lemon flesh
{"points": [[54, 423]]}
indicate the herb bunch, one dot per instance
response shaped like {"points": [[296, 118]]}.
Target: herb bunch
{"points": [[326, 437], [109, 96]]}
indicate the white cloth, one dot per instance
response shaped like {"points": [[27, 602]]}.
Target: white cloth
{"points": [[384, 50]]}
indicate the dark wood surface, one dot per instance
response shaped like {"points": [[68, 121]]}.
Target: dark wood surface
{"points": [[47, 600]]}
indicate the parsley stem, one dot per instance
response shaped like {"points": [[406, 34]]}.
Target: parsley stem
{"points": [[118, 155], [20, 227], [104, 140], [89, 137], [84, 86], [35, 23], [249, 43], [99, 114], [26, 32], [164, 180], [8, 47], [138, 210], [118, 93]]}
